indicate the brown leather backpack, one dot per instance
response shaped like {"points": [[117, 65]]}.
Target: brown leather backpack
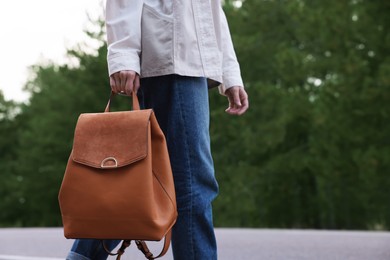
{"points": [[118, 182]]}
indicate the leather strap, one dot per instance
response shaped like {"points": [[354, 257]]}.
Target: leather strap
{"points": [[142, 247], [135, 101], [121, 250], [145, 250]]}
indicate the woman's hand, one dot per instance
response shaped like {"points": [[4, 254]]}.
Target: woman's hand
{"points": [[238, 100], [124, 82]]}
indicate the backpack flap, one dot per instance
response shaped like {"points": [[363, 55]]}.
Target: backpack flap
{"points": [[112, 139]]}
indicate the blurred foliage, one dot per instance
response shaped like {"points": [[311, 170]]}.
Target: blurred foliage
{"points": [[312, 152]]}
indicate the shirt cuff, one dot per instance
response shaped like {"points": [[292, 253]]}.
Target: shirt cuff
{"points": [[230, 81], [123, 61]]}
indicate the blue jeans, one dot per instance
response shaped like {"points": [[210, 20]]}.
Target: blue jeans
{"points": [[182, 110]]}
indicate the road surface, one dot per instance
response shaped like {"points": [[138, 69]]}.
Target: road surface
{"points": [[234, 244]]}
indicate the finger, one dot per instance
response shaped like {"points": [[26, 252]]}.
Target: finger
{"points": [[231, 101], [241, 110], [232, 111], [137, 83], [129, 83], [236, 98], [122, 78], [116, 82], [112, 84], [235, 101], [244, 101], [245, 106]]}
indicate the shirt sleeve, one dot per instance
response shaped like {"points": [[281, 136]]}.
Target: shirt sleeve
{"points": [[231, 69], [123, 24]]}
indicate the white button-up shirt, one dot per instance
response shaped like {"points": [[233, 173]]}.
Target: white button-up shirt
{"points": [[160, 37]]}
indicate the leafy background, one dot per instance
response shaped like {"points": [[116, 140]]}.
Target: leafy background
{"points": [[312, 152]]}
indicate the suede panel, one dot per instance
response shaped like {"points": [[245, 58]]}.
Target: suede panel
{"points": [[103, 138]]}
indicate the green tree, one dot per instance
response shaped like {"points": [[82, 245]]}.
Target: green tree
{"points": [[9, 192], [314, 147]]}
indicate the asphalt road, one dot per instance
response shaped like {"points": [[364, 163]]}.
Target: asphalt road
{"points": [[234, 244]]}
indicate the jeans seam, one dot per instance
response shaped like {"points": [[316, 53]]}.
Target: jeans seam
{"points": [[183, 119]]}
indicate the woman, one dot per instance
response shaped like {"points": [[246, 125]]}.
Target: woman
{"points": [[170, 52]]}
